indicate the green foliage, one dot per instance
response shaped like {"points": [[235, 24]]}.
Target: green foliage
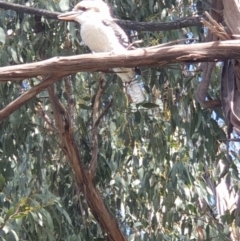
{"points": [[152, 157]]}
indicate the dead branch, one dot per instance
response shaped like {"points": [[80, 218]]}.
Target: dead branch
{"points": [[130, 25], [216, 28], [157, 56]]}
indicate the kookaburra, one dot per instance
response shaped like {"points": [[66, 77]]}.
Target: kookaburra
{"points": [[101, 34]]}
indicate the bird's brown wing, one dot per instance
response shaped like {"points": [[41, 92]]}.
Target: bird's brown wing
{"points": [[134, 90], [121, 35]]}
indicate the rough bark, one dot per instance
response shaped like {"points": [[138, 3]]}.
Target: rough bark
{"points": [[152, 56], [84, 176]]}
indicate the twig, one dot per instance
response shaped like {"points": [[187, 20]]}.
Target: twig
{"points": [[174, 42], [215, 27], [93, 162], [233, 139], [70, 101], [26, 96], [97, 102], [96, 120], [131, 45], [46, 118], [104, 112]]}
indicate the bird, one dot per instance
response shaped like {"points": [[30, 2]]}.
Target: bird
{"points": [[101, 34]]}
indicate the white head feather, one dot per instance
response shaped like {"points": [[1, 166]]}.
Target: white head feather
{"points": [[86, 10]]}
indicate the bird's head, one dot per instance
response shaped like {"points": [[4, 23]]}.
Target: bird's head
{"points": [[87, 10]]}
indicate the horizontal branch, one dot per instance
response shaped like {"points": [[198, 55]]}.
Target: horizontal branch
{"points": [[151, 56], [131, 25], [156, 26]]}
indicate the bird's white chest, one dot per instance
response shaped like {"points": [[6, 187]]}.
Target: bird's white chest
{"points": [[100, 38]]}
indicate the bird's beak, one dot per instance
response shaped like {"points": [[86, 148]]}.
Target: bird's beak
{"points": [[69, 15]]}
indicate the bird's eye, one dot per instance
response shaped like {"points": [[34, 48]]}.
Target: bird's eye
{"points": [[82, 9]]}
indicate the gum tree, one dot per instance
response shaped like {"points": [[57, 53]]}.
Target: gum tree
{"points": [[79, 161]]}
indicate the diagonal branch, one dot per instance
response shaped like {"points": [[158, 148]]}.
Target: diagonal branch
{"points": [[96, 120], [95, 201], [215, 27], [104, 112], [203, 86], [97, 102], [39, 110], [95, 116], [59, 111], [70, 100], [26, 96]]}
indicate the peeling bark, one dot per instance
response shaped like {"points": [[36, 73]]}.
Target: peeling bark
{"points": [[151, 56]]}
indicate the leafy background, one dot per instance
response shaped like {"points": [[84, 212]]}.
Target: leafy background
{"points": [[154, 162]]}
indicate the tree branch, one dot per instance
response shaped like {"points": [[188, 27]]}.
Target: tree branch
{"points": [[70, 100], [151, 56], [131, 25], [26, 96], [151, 27], [96, 120], [95, 116], [215, 27], [104, 112], [108, 223], [203, 86], [59, 112], [216, 30], [39, 110]]}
